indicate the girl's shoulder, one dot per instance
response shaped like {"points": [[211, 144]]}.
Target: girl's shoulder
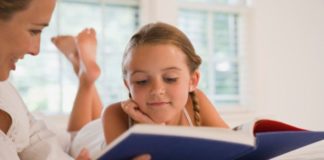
{"points": [[115, 121], [114, 108], [114, 113]]}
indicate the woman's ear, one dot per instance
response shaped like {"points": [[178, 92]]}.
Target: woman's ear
{"points": [[195, 77]]}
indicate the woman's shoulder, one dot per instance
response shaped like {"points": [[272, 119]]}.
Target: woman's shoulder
{"points": [[10, 100]]}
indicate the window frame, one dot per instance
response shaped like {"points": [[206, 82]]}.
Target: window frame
{"points": [[244, 13]]}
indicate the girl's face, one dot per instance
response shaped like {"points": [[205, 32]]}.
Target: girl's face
{"points": [[159, 81], [20, 35]]}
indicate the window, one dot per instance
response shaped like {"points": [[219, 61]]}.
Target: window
{"points": [[47, 82], [214, 28]]}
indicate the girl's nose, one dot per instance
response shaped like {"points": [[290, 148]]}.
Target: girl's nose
{"points": [[158, 92], [158, 89]]}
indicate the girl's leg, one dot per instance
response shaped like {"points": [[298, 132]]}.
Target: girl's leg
{"points": [[81, 51], [67, 45], [96, 105]]}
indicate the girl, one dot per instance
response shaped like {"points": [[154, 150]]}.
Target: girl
{"points": [[160, 71]]}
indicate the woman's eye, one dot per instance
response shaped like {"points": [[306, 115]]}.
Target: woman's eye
{"points": [[170, 80], [35, 32]]}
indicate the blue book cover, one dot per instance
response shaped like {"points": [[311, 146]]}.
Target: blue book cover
{"points": [[262, 139], [272, 144]]}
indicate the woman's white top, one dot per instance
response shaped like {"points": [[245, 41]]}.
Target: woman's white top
{"points": [[27, 138]]}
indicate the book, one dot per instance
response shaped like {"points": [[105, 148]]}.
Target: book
{"points": [[261, 139]]}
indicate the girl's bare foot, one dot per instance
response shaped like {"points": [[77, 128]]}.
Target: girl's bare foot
{"points": [[87, 47], [67, 45]]}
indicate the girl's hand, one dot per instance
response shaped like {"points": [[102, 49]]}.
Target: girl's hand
{"points": [[143, 157], [133, 110]]}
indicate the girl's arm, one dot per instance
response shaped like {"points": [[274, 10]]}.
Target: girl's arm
{"points": [[208, 113], [114, 121]]}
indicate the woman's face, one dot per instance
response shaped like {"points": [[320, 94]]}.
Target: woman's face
{"points": [[159, 81], [20, 35]]}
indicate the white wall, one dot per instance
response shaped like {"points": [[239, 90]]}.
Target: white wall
{"points": [[288, 60]]}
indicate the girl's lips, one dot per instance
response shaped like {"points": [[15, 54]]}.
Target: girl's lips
{"points": [[157, 104]]}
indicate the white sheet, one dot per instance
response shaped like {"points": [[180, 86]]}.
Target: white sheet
{"points": [[313, 151], [91, 137]]}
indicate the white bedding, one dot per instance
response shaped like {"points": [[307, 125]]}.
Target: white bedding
{"points": [[313, 151]]}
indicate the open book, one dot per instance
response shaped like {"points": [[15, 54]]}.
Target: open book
{"points": [[262, 139]]}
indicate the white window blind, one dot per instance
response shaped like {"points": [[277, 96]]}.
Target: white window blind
{"points": [[213, 27]]}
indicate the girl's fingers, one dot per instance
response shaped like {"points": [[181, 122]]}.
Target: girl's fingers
{"points": [[132, 109], [143, 157]]}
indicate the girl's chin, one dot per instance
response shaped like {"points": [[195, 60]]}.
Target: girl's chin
{"points": [[159, 120], [162, 120]]}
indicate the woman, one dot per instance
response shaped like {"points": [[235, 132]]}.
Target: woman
{"points": [[21, 136], [21, 23]]}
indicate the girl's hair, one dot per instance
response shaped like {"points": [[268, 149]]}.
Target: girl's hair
{"points": [[162, 33], [9, 7]]}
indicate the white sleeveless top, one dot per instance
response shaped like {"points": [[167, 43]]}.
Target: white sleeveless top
{"points": [[185, 112]]}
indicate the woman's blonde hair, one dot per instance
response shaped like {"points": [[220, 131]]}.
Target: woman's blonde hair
{"points": [[9, 7], [162, 33]]}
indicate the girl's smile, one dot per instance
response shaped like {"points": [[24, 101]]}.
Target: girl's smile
{"points": [[158, 104]]}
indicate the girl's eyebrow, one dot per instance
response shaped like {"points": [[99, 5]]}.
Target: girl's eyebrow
{"points": [[137, 71], [165, 69], [171, 68]]}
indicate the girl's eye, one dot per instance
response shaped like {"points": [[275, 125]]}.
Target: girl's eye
{"points": [[141, 82], [170, 80]]}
